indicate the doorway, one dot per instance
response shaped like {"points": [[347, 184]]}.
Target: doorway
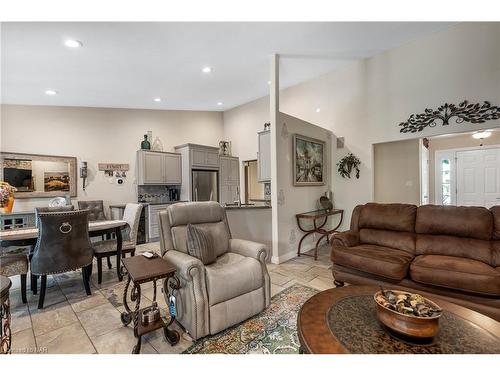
{"points": [[468, 177], [254, 191]]}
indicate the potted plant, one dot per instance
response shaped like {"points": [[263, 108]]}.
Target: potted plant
{"points": [[6, 197]]}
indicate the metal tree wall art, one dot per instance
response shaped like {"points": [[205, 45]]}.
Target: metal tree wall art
{"points": [[473, 113]]}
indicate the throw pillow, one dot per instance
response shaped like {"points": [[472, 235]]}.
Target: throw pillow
{"points": [[200, 245]]}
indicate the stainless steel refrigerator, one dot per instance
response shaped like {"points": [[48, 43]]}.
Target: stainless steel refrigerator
{"points": [[205, 185]]}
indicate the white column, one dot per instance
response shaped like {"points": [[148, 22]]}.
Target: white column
{"points": [[274, 94]]}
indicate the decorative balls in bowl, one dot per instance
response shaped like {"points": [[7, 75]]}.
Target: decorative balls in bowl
{"points": [[408, 314]]}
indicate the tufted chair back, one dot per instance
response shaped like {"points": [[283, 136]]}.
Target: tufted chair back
{"points": [[38, 210], [95, 208], [210, 216], [63, 242], [132, 216]]}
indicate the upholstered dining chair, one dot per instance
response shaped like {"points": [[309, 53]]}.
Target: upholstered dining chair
{"points": [[95, 208], [96, 213], [108, 248], [214, 296], [12, 264], [38, 210], [63, 245]]}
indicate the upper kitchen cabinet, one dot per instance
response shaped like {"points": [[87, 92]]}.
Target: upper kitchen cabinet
{"points": [[264, 156], [159, 168], [204, 157]]}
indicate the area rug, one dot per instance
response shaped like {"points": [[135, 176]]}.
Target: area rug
{"points": [[273, 331]]}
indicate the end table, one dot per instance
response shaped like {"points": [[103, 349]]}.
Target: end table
{"points": [[142, 270]]}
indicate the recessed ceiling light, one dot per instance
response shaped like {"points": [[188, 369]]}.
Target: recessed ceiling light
{"points": [[51, 92], [318, 110], [157, 100], [206, 69], [72, 43], [219, 103], [268, 82], [481, 135]]}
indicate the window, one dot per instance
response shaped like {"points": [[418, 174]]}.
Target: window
{"points": [[445, 182]]}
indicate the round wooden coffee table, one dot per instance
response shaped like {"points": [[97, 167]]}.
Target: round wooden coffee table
{"points": [[344, 320]]}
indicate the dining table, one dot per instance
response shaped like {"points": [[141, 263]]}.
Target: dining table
{"points": [[28, 236]]}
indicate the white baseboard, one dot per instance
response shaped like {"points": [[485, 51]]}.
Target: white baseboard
{"points": [[284, 257]]}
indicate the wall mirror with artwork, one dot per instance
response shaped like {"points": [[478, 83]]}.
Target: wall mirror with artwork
{"points": [[37, 176]]}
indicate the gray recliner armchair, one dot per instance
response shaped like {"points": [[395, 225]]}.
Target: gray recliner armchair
{"points": [[215, 296]]}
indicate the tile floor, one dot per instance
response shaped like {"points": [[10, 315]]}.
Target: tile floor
{"points": [[73, 322]]}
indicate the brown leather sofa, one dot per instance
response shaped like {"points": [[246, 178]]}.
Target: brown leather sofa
{"points": [[449, 252]]}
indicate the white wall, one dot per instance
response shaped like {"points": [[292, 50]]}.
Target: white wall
{"points": [[296, 199], [241, 125], [101, 135], [365, 101]]}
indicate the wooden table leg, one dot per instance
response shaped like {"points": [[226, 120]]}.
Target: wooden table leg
{"points": [[119, 242]]}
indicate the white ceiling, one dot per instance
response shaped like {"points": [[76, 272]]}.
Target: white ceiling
{"points": [[126, 65]]}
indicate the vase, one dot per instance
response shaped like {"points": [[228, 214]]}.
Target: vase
{"points": [[145, 145], [7, 209]]}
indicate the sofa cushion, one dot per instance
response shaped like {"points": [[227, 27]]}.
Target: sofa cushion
{"points": [[462, 274], [393, 216], [473, 222], [378, 260], [231, 276], [395, 240], [428, 244], [200, 245], [495, 211]]}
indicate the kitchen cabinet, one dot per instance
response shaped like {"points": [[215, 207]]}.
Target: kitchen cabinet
{"points": [[159, 168], [264, 156], [205, 157], [229, 179], [196, 158]]}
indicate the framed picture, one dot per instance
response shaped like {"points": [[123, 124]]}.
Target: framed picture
{"points": [[308, 161]]}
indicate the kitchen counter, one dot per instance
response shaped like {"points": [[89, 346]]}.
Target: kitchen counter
{"points": [[143, 203], [243, 207]]}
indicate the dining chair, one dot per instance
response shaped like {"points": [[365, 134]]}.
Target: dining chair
{"points": [[38, 210], [96, 213], [12, 264], [63, 245], [108, 248]]}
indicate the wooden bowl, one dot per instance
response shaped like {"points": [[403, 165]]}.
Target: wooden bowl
{"points": [[408, 325]]}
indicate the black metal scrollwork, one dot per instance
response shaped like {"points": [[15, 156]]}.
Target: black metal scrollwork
{"points": [[464, 112]]}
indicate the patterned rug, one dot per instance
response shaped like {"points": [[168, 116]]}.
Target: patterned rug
{"points": [[273, 331]]}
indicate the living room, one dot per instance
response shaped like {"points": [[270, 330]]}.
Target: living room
{"points": [[268, 189]]}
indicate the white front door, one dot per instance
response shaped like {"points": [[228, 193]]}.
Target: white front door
{"points": [[478, 177]]}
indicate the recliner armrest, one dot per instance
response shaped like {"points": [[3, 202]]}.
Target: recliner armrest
{"points": [[249, 249], [188, 267], [348, 238]]}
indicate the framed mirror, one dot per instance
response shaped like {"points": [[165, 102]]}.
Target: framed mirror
{"points": [[38, 176]]}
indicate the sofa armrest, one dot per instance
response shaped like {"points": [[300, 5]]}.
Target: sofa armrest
{"points": [[348, 238], [259, 252], [188, 267], [192, 299], [249, 249]]}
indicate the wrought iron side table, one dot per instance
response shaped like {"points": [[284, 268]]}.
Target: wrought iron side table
{"points": [[142, 270], [316, 215], [5, 344]]}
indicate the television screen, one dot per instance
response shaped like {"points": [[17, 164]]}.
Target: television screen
{"points": [[19, 178]]}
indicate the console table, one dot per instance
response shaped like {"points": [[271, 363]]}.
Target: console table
{"points": [[313, 216]]}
